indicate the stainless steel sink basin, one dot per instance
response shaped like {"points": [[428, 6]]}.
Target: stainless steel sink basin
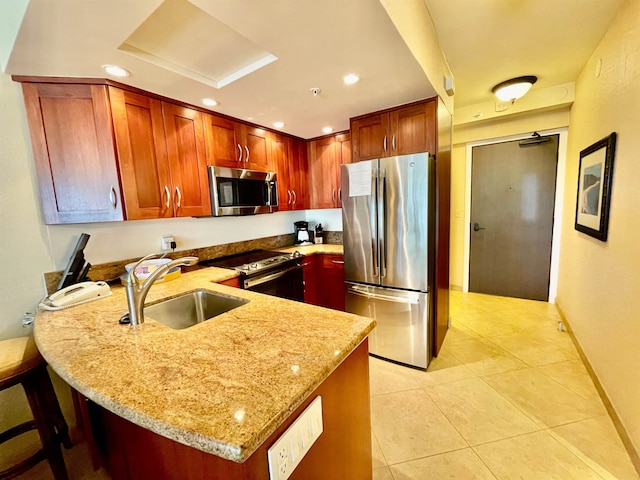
{"points": [[191, 308]]}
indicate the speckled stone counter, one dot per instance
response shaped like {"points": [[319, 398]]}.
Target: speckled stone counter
{"points": [[222, 386], [315, 249]]}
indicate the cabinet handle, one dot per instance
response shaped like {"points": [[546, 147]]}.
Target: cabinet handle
{"points": [[295, 197], [239, 153], [288, 197], [247, 150], [179, 197], [166, 190], [393, 142], [333, 196], [340, 195], [384, 143], [338, 262], [112, 197]]}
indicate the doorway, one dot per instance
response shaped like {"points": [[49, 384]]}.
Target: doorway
{"points": [[513, 191]]}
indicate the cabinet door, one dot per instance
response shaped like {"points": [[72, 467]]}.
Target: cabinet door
{"points": [[310, 275], [254, 144], [332, 294], [223, 143], [73, 149], [298, 174], [280, 160], [343, 155], [322, 166], [142, 154], [413, 129], [187, 161], [370, 137]]}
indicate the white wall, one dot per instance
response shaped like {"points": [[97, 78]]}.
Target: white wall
{"points": [[599, 284]]}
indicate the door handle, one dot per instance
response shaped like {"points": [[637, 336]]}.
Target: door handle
{"points": [[476, 227]]}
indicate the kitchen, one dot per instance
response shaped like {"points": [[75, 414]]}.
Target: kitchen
{"points": [[47, 249]]}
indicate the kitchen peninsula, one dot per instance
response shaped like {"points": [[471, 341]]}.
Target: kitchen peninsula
{"points": [[226, 388]]}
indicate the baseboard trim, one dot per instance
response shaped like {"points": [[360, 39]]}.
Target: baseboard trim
{"points": [[634, 455]]}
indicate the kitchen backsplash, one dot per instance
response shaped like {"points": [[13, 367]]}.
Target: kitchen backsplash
{"points": [[112, 270]]}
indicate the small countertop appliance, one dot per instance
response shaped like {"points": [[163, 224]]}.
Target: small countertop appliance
{"points": [[302, 235]]}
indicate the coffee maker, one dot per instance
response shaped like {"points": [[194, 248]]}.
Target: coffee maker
{"points": [[302, 235]]}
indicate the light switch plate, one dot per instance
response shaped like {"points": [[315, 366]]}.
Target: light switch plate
{"points": [[287, 452]]}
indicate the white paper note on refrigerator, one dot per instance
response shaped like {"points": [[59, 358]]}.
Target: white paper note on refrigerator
{"points": [[360, 179]]}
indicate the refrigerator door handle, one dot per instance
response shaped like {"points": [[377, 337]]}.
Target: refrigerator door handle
{"points": [[382, 235], [374, 221], [386, 298]]}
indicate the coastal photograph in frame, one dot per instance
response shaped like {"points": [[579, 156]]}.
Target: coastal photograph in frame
{"points": [[594, 188]]}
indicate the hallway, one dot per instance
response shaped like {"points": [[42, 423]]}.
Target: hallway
{"points": [[508, 397]]}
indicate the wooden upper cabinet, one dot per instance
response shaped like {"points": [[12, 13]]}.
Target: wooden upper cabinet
{"points": [[325, 157], [187, 161], [397, 131], [75, 163], [222, 141], [162, 157], [255, 149], [142, 154], [280, 159], [298, 173]]}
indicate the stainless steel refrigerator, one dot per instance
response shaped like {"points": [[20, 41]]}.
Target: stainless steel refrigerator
{"points": [[388, 217]]}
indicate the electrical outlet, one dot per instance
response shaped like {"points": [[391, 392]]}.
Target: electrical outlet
{"points": [[165, 243], [288, 450]]}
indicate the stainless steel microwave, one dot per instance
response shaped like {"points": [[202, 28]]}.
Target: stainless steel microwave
{"points": [[235, 191]]}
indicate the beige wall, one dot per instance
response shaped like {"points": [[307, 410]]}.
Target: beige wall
{"points": [[485, 131], [599, 284]]}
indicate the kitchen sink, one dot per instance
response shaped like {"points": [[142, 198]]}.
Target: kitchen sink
{"points": [[191, 308]]}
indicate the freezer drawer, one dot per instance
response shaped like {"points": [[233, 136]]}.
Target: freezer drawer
{"points": [[402, 330]]}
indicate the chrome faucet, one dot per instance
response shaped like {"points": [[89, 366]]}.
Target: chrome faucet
{"points": [[136, 292]]}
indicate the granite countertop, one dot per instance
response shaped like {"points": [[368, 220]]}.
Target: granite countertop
{"points": [[319, 248], [221, 386]]}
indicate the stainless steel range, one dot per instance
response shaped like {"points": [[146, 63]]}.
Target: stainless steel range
{"points": [[273, 273]]}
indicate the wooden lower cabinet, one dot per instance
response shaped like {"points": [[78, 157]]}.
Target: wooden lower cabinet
{"points": [[343, 450], [331, 291], [232, 282], [310, 278]]}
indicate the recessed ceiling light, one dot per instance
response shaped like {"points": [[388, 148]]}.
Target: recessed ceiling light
{"points": [[327, 129], [209, 102], [351, 78], [116, 71], [278, 124]]}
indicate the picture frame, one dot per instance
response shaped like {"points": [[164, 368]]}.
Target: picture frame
{"points": [[595, 176]]}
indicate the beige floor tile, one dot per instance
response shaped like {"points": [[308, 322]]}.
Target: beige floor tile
{"points": [[574, 376], [458, 465], [534, 456], [490, 324], [459, 332], [542, 398], [597, 443], [387, 377], [485, 358], [443, 369], [382, 473], [377, 458], [534, 349], [408, 425], [478, 412]]}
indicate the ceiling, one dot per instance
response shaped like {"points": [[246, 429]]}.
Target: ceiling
{"points": [[260, 59]]}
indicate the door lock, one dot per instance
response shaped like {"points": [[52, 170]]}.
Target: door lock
{"points": [[476, 227]]}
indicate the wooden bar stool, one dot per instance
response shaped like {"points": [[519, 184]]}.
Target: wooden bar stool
{"points": [[20, 362]]}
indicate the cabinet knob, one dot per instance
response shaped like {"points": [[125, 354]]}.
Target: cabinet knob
{"points": [[112, 197], [168, 193]]}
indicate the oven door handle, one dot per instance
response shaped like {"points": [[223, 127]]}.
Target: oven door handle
{"points": [[252, 282]]}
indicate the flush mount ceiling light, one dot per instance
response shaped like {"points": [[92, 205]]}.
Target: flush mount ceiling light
{"points": [[278, 124], [115, 70], [327, 130], [511, 90], [209, 102], [351, 78]]}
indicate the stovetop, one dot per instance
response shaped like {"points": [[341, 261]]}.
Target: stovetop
{"points": [[250, 263]]}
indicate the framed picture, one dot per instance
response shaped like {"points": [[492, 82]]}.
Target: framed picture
{"points": [[594, 187]]}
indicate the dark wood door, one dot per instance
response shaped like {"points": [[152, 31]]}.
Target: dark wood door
{"points": [[369, 136], [187, 161], [142, 154], [322, 167], [298, 174], [74, 155], [512, 203], [413, 129], [222, 142]]}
